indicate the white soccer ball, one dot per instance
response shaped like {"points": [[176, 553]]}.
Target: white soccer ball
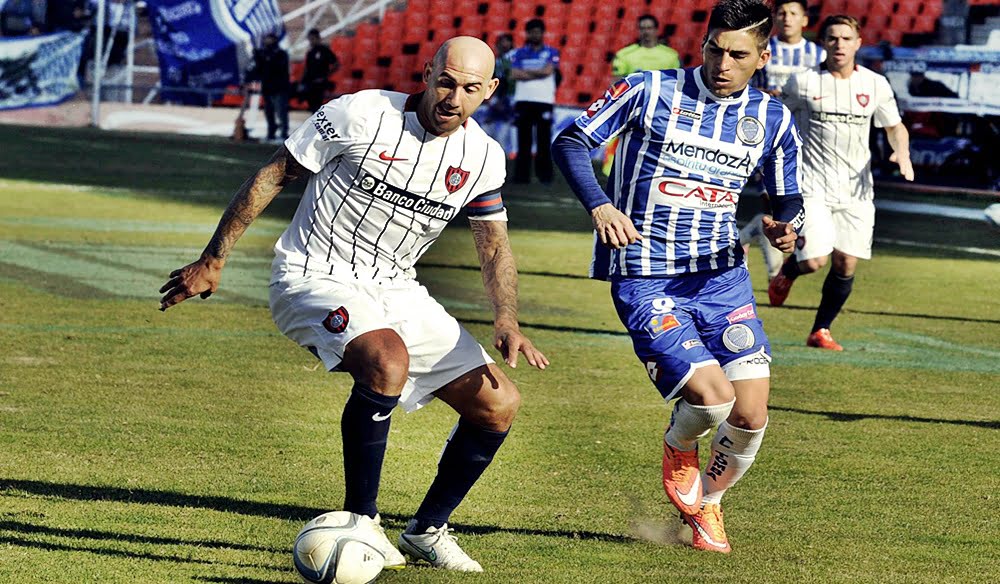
{"points": [[333, 549]]}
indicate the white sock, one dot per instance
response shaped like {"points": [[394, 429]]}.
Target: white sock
{"points": [[773, 258], [733, 451], [689, 423]]}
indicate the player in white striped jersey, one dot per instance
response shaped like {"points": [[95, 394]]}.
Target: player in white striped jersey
{"points": [[790, 53], [834, 106], [666, 239], [387, 172]]}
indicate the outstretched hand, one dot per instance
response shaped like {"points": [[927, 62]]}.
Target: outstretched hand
{"points": [[905, 165], [510, 342], [613, 227], [780, 234], [200, 278]]}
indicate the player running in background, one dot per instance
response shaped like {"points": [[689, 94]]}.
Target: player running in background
{"points": [[834, 105], [666, 239], [388, 171], [790, 53]]}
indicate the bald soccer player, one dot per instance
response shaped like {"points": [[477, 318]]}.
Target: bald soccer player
{"points": [[387, 172]]}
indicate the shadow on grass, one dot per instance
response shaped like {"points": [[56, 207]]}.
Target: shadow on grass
{"points": [[846, 417], [896, 314], [21, 527], [251, 508], [103, 551]]}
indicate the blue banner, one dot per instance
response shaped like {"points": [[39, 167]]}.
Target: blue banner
{"points": [[203, 45], [39, 70]]}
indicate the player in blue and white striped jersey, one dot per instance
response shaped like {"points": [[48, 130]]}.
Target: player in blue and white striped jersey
{"points": [[667, 241], [790, 54]]}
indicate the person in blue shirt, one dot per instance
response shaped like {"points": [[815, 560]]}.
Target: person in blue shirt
{"points": [[535, 69], [666, 239]]}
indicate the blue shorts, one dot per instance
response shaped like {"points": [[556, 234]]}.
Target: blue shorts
{"points": [[681, 323]]}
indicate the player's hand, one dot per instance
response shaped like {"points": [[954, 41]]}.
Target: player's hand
{"points": [[200, 278], [905, 165], [780, 234], [510, 342], [614, 229]]}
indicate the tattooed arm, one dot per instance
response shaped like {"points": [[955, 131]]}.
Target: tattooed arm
{"points": [[500, 280], [202, 276]]}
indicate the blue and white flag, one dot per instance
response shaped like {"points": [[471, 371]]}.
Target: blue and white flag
{"points": [[204, 45], [39, 70]]}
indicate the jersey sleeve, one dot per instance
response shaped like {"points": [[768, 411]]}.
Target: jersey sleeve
{"points": [[781, 173], [886, 110], [622, 103], [326, 134], [619, 66], [487, 204], [791, 93]]}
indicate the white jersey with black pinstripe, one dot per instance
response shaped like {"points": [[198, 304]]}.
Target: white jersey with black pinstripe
{"points": [[383, 187], [834, 118]]}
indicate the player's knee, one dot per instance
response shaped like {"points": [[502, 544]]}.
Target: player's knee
{"points": [[812, 265], [748, 419], [379, 360], [498, 413]]}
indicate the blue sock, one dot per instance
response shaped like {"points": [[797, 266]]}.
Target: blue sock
{"points": [[364, 428], [468, 452]]}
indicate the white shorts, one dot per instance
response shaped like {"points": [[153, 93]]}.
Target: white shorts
{"points": [[324, 314], [846, 229]]}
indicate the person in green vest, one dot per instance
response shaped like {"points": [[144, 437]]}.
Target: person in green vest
{"points": [[647, 54]]}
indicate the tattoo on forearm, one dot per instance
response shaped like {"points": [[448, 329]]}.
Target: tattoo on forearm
{"points": [[250, 201], [498, 267]]}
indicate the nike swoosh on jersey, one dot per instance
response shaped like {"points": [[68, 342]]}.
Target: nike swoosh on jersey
{"points": [[383, 155], [379, 417], [691, 497]]}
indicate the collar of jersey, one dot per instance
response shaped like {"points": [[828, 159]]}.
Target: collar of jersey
{"points": [[705, 91]]}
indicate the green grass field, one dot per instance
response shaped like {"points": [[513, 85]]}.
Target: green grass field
{"points": [[191, 445]]}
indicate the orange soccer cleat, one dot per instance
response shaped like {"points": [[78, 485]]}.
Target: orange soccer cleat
{"points": [[682, 478], [821, 339], [778, 289], [707, 529]]}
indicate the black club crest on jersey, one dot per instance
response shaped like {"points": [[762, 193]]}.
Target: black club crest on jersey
{"points": [[336, 321], [455, 178]]}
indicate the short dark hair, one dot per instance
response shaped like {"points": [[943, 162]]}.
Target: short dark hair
{"points": [[656, 22], [505, 35], [753, 16], [802, 3], [533, 24], [313, 32], [838, 19]]}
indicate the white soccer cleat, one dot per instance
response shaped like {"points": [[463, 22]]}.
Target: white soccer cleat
{"points": [[393, 559], [438, 547]]}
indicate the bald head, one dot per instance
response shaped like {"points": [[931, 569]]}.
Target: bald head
{"points": [[458, 80], [467, 55]]}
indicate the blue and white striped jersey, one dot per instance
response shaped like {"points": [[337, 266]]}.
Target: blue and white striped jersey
{"points": [[682, 161], [790, 58]]}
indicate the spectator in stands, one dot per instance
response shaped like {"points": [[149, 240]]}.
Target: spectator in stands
{"points": [[645, 55], [535, 69], [21, 18], [321, 62], [270, 68], [921, 86], [73, 15], [499, 111]]}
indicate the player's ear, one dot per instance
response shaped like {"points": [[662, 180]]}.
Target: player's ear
{"points": [[491, 87], [765, 56], [428, 69]]}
